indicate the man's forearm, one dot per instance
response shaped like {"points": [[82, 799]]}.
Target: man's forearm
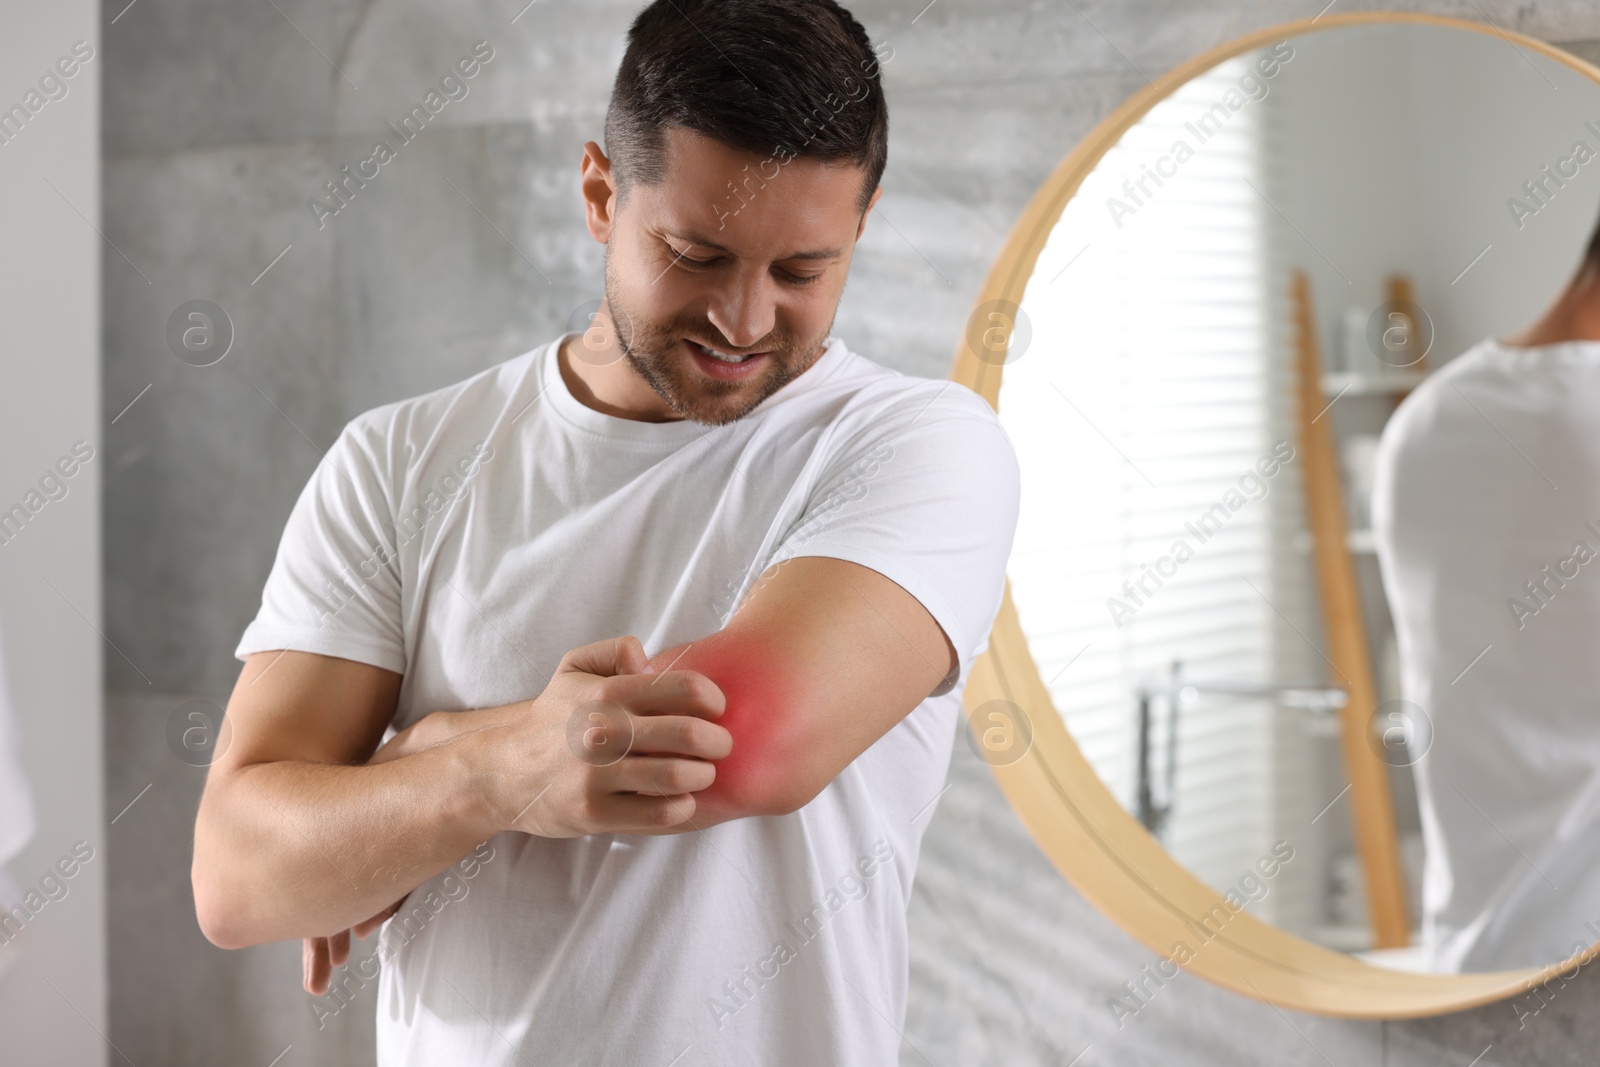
{"points": [[295, 849]]}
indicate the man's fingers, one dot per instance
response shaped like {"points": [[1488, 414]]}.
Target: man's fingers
{"points": [[314, 963], [339, 949], [615, 655], [622, 813], [669, 693], [680, 735], [661, 777], [320, 955]]}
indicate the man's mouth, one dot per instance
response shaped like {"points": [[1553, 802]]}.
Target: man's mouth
{"points": [[724, 365], [724, 357]]}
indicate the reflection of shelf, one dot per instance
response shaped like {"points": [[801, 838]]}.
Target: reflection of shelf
{"points": [[1325, 727], [1361, 542], [1357, 938], [1413, 958], [1389, 382], [1344, 937], [1339, 588]]}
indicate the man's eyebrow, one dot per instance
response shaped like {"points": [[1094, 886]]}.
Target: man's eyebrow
{"points": [[706, 242]]}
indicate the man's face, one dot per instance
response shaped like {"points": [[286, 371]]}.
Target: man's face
{"points": [[692, 262]]}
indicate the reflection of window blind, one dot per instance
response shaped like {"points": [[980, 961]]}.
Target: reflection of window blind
{"points": [[1140, 402]]}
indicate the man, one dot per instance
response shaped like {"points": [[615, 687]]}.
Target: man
{"points": [[700, 855], [1486, 510]]}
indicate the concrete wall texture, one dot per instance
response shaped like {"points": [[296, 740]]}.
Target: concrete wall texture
{"points": [[469, 248]]}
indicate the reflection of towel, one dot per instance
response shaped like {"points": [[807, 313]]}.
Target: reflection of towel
{"points": [[8, 896], [16, 803]]}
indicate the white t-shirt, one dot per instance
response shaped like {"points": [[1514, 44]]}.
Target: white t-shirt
{"points": [[469, 537], [1487, 474]]}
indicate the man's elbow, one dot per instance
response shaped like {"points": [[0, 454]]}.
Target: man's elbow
{"points": [[757, 781], [776, 800], [219, 916], [784, 783], [221, 898], [770, 705], [780, 758]]}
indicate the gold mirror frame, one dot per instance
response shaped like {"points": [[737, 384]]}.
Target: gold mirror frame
{"points": [[1093, 841]]}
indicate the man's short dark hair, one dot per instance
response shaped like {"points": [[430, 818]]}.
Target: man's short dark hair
{"points": [[781, 78]]}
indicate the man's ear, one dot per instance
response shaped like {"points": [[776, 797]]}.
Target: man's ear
{"points": [[862, 225], [599, 193]]}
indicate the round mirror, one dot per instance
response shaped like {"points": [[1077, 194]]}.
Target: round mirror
{"points": [[1270, 345]]}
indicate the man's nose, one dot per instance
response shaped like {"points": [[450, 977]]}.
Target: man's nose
{"points": [[744, 308]]}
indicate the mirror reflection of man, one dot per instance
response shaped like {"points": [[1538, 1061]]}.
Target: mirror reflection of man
{"points": [[1486, 509], [697, 855]]}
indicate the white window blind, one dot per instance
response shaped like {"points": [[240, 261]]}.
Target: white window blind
{"points": [[1148, 390]]}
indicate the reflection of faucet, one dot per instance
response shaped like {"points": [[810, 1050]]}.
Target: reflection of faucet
{"points": [[1173, 692]]}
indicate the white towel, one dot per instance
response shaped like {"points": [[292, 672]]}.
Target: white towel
{"points": [[16, 805], [16, 802]]}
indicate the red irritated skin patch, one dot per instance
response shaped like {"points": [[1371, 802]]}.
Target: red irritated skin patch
{"points": [[766, 701]]}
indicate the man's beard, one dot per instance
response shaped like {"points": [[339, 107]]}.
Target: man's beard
{"points": [[656, 355]]}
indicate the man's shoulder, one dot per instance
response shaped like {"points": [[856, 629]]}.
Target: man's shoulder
{"points": [[470, 407], [1448, 390], [889, 398], [925, 429]]}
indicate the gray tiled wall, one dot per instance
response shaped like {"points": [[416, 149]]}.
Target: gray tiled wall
{"points": [[220, 122]]}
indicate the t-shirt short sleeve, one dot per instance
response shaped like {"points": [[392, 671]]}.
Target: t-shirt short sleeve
{"points": [[927, 496], [334, 588]]}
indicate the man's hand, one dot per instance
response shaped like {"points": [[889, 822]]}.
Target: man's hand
{"points": [[610, 746], [321, 955]]}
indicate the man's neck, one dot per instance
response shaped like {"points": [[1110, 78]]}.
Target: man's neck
{"points": [[1573, 316], [609, 386]]}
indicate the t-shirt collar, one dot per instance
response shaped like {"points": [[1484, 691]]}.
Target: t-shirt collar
{"points": [[665, 434]]}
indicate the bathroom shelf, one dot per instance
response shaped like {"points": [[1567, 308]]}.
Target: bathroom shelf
{"points": [[1344, 937], [1361, 542], [1388, 384], [1338, 586]]}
